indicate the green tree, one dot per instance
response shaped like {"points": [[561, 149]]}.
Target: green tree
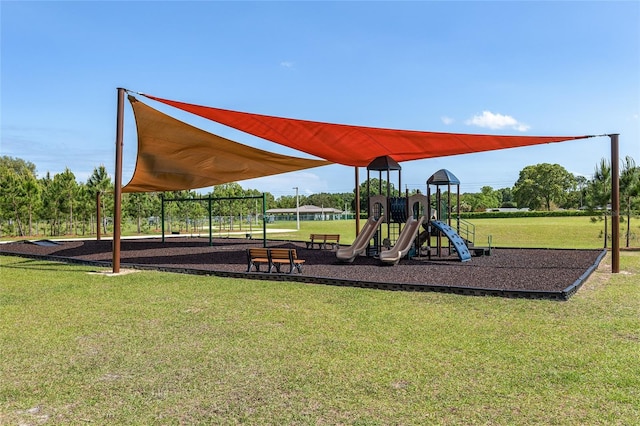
{"points": [[11, 199], [376, 187], [322, 199], [542, 184], [32, 198], [506, 197], [180, 211], [100, 182], [629, 188], [47, 202], [18, 165], [487, 198], [227, 209], [139, 206], [19, 192], [66, 187], [599, 191], [344, 201], [254, 205], [289, 201], [85, 207]]}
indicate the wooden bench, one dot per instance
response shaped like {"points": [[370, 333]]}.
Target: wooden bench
{"points": [[257, 257], [273, 258], [323, 239]]}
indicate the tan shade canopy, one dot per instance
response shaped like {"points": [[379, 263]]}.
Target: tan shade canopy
{"points": [[174, 156], [358, 145]]}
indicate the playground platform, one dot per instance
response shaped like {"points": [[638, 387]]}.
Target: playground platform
{"points": [[509, 272]]}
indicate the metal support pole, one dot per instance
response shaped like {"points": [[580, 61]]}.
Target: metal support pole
{"points": [[615, 205], [117, 203], [162, 215], [388, 209], [357, 202], [439, 236], [297, 209], [98, 217], [449, 203], [210, 222], [264, 220], [458, 207], [428, 213]]}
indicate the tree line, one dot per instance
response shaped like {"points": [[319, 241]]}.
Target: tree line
{"points": [[60, 205], [550, 186]]}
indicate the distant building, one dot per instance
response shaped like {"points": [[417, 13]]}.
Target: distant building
{"points": [[508, 210], [306, 213]]}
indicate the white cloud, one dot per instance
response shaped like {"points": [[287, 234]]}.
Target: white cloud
{"points": [[286, 64], [447, 120], [496, 121]]}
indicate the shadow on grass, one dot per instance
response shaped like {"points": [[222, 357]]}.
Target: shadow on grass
{"points": [[39, 265]]}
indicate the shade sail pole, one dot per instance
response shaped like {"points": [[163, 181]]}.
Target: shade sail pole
{"points": [[357, 203], [615, 205], [117, 204]]}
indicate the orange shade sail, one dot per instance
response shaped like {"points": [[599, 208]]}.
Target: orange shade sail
{"points": [[358, 145], [174, 156]]}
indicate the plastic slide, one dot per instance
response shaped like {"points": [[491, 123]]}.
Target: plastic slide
{"points": [[452, 235], [405, 239], [347, 254]]}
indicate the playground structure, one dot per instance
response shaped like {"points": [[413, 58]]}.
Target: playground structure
{"points": [[442, 222], [401, 218], [393, 230], [160, 167]]}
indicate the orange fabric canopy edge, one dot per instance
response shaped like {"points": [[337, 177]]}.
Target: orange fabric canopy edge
{"points": [[358, 145], [173, 156]]}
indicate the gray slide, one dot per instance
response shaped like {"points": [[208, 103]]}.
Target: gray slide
{"points": [[405, 239], [347, 254]]}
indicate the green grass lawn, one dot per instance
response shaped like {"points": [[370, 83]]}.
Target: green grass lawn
{"points": [[160, 348], [552, 232], [539, 232]]}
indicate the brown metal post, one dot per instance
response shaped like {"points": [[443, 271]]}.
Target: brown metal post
{"points": [[439, 208], [428, 213], [357, 203], [458, 207], [117, 204], [615, 205], [449, 203], [98, 217]]}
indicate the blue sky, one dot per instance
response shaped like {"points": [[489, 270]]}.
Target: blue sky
{"points": [[524, 68]]}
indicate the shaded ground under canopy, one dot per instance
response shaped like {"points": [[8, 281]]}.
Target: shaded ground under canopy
{"points": [[508, 272]]}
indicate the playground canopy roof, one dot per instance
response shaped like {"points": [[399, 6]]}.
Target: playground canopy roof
{"points": [[443, 177], [358, 145], [384, 163]]}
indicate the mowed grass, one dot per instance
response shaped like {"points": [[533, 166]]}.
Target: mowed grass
{"points": [[538, 232], [550, 232], [160, 348]]}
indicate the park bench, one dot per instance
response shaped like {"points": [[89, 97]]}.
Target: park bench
{"points": [[273, 258], [323, 239]]}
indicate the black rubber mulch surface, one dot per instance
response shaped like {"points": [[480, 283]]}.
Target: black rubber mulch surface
{"points": [[510, 272]]}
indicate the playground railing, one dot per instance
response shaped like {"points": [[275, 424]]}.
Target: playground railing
{"points": [[467, 230]]}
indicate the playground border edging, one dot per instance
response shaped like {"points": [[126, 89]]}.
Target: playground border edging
{"points": [[573, 288], [562, 295]]}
